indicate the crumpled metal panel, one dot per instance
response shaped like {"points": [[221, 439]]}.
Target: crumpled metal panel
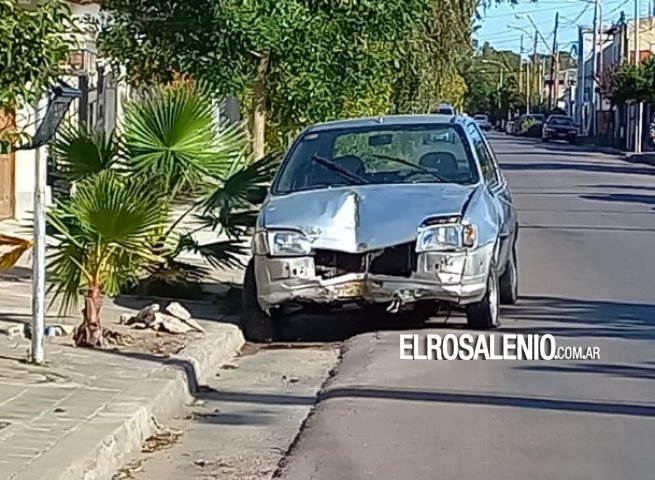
{"points": [[356, 219]]}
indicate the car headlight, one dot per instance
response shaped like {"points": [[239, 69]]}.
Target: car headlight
{"points": [[446, 237], [281, 244]]}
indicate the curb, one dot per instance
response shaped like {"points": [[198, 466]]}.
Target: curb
{"points": [[135, 414]]}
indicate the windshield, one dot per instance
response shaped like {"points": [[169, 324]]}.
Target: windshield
{"points": [[480, 117], [538, 117], [566, 121], [432, 153]]}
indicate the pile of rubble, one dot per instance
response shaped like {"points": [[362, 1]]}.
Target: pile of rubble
{"points": [[174, 319]]}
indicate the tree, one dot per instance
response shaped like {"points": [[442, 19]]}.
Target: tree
{"points": [[430, 70], [630, 83], [32, 48], [289, 62]]}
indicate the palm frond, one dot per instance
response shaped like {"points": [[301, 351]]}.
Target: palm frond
{"points": [[80, 153], [224, 254], [15, 248], [245, 186], [172, 134], [233, 224]]}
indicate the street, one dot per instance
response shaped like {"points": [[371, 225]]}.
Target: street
{"points": [[586, 277]]}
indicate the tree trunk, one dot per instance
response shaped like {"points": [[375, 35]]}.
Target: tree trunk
{"points": [[258, 112], [89, 333]]}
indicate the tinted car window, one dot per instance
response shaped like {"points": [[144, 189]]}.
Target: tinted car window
{"points": [[485, 157], [538, 117], [379, 155], [560, 120]]}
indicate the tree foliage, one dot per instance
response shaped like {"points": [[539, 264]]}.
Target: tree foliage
{"points": [[32, 47], [633, 83], [325, 58]]}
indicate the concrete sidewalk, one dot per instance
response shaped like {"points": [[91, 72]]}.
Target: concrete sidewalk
{"points": [[87, 412]]}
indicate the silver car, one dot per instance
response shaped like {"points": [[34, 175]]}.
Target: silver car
{"points": [[393, 213]]}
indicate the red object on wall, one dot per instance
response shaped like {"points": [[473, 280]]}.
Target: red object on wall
{"points": [[643, 55]]}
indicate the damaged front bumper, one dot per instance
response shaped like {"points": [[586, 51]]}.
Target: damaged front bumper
{"points": [[455, 277]]}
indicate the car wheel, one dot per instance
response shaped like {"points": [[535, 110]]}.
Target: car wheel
{"points": [[544, 139], [256, 325], [484, 315], [509, 282], [572, 140]]}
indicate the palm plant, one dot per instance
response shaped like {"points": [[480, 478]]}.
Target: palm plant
{"points": [[102, 237], [134, 190]]}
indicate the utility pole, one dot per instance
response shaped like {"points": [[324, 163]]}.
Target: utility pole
{"points": [[640, 107], [521, 65], [552, 63], [527, 89], [542, 74], [534, 53], [38, 260], [594, 71]]}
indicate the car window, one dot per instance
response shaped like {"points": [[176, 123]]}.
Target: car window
{"points": [[379, 155], [564, 121], [487, 163]]}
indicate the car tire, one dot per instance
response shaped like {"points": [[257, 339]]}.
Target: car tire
{"points": [[544, 139], [573, 140], [256, 325], [509, 281], [485, 314]]}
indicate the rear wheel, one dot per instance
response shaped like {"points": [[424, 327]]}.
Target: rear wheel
{"points": [[544, 139], [256, 325], [484, 315], [573, 140], [509, 282]]}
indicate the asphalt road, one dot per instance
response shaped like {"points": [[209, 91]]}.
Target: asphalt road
{"points": [[587, 272]]}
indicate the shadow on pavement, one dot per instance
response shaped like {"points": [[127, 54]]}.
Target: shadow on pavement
{"points": [[622, 371], [490, 400], [581, 167], [584, 318], [622, 198]]}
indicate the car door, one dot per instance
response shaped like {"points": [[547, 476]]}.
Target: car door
{"points": [[499, 193]]}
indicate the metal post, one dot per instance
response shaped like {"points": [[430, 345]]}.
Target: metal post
{"points": [[582, 84], [527, 89], [640, 106], [552, 63], [39, 250], [594, 70], [521, 64]]}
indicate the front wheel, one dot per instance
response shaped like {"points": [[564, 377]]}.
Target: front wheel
{"points": [[509, 281], [256, 325], [484, 315]]}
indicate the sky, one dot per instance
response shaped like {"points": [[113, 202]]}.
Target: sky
{"points": [[496, 19]]}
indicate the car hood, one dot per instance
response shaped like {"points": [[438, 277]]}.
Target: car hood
{"points": [[361, 218]]}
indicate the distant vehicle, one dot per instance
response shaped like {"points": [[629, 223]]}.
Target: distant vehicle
{"points": [[559, 127], [445, 109], [482, 121], [529, 125]]}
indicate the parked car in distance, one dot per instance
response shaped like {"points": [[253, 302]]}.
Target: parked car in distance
{"points": [[559, 127], [482, 121], [445, 109], [391, 214]]}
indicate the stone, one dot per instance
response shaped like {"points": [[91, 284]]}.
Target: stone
{"points": [[195, 325], [11, 329], [173, 325], [178, 311], [147, 315]]}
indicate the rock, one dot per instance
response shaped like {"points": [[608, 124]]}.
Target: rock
{"points": [[147, 315], [11, 329], [178, 311], [174, 325], [195, 325]]}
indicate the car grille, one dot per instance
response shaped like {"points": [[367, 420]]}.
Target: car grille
{"points": [[398, 260]]}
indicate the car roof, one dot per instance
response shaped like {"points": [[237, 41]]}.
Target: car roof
{"points": [[390, 120]]}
